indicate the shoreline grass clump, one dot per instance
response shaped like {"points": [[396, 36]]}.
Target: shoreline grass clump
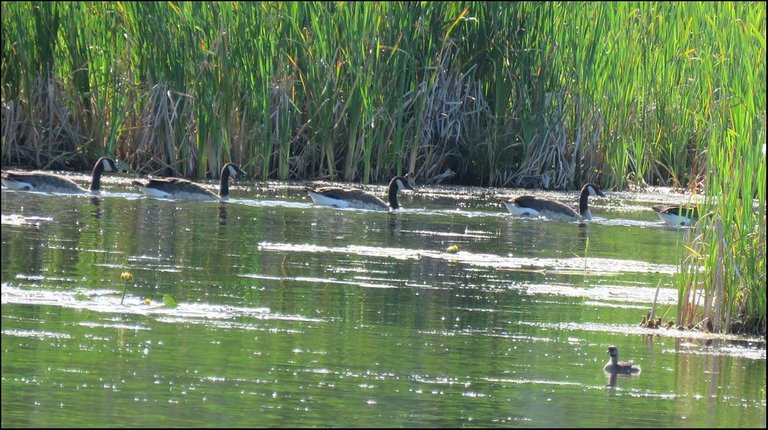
{"points": [[729, 294], [524, 94]]}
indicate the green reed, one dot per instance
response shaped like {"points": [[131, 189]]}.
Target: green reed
{"points": [[730, 244], [528, 94], [525, 94]]}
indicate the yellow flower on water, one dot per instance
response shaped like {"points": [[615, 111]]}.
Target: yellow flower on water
{"points": [[147, 301], [125, 276], [452, 249]]}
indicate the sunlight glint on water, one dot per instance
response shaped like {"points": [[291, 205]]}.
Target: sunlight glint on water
{"points": [[294, 315]]}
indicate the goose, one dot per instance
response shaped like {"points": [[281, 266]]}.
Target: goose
{"points": [[182, 189], [616, 366], [677, 215], [50, 183], [358, 199], [533, 206]]}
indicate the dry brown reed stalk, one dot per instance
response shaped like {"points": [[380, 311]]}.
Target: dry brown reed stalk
{"points": [[279, 106], [715, 314], [549, 160], [714, 298], [12, 117], [241, 128], [719, 299], [697, 175], [452, 100], [591, 155], [688, 300], [45, 133], [156, 137]]}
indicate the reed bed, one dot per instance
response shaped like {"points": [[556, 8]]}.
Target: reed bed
{"points": [[729, 294], [524, 94]]}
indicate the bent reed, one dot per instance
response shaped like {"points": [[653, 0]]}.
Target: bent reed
{"points": [[526, 94]]}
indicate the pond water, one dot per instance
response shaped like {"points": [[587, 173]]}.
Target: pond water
{"points": [[290, 314]]}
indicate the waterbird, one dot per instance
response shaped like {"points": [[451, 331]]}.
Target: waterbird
{"points": [[677, 215], [51, 183], [182, 189], [534, 206], [359, 199], [616, 366]]}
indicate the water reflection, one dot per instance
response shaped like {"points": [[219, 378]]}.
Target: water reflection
{"points": [[583, 237], [613, 377], [222, 213], [293, 315], [97, 210], [395, 225]]}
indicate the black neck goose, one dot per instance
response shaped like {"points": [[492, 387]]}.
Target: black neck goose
{"points": [[182, 189], [533, 206], [677, 215], [616, 366], [358, 199], [50, 183]]}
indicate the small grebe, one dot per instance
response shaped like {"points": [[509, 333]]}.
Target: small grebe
{"points": [[616, 366]]}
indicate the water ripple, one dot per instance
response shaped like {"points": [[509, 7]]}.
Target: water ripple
{"points": [[108, 301], [557, 265]]}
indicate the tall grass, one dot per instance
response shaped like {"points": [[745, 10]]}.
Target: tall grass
{"points": [[528, 94], [730, 293]]}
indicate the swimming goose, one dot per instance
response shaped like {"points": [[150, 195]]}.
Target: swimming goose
{"points": [[677, 215], [359, 199], [616, 366], [182, 189], [50, 183], [533, 206]]}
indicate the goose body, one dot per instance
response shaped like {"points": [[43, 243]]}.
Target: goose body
{"points": [[677, 215], [358, 199], [182, 189], [616, 366], [50, 183], [534, 206]]}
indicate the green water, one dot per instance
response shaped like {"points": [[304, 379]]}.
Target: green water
{"points": [[295, 315]]}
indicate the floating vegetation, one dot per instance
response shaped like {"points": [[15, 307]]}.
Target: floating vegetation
{"points": [[127, 278], [525, 94], [168, 301]]}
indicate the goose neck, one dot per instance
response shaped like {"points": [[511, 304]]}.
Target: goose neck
{"points": [[584, 203], [224, 182], [98, 169], [392, 195]]}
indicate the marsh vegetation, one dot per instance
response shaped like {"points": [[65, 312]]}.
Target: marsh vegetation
{"points": [[544, 95]]}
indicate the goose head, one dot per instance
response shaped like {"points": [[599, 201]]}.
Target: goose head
{"points": [[587, 191], [229, 170], [103, 164], [396, 184]]}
